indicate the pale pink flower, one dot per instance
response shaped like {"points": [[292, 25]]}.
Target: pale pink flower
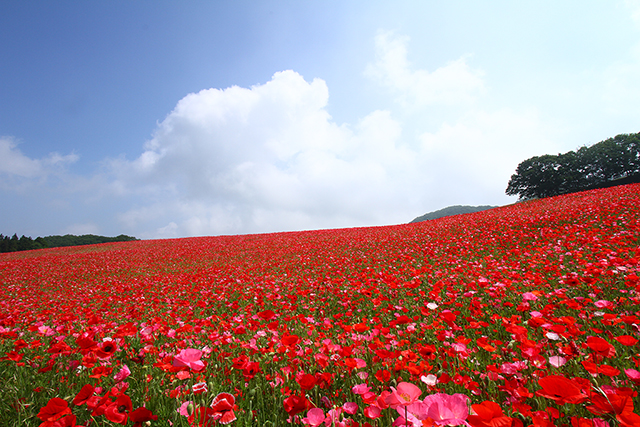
{"points": [[404, 395], [315, 417], [603, 303], [189, 357], [529, 296], [429, 379], [184, 408], [557, 361], [447, 410], [363, 375]]}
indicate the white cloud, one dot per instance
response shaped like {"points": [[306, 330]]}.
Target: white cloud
{"points": [[634, 9], [13, 162], [265, 158], [270, 157], [452, 84], [16, 168], [475, 156]]}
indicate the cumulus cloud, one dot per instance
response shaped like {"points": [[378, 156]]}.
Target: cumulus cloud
{"points": [[452, 84], [14, 165], [265, 158], [271, 158]]}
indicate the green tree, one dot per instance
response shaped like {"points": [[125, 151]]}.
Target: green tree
{"points": [[610, 162]]}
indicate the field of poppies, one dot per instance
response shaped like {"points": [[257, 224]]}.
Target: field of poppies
{"points": [[525, 315]]}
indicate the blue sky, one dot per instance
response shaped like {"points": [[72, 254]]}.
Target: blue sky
{"points": [[169, 119]]}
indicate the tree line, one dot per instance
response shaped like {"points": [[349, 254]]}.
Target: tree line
{"points": [[15, 244], [614, 161]]}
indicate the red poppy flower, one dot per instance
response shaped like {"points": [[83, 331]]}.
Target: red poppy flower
{"points": [[306, 381], [601, 347], [628, 419], [627, 340], [84, 394], [608, 370], [85, 344], [201, 417], [141, 415], [55, 409], [613, 403], [290, 340], [489, 414], [106, 349], [250, 370], [266, 315], [222, 408], [118, 411], [560, 389], [296, 404]]}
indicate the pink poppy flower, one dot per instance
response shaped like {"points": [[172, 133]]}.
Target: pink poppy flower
{"points": [[404, 395], [350, 407], [360, 388], [372, 412], [557, 361], [184, 408], [189, 357], [447, 410], [315, 417], [633, 375], [122, 374]]}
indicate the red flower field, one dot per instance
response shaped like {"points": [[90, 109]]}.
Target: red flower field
{"points": [[525, 315]]}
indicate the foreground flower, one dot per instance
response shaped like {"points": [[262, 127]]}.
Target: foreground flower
{"points": [[404, 395], [489, 414], [118, 411], [55, 409], [315, 417], [447, 410], [296, 404], [560, 389]]}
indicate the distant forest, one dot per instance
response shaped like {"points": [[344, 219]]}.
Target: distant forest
{"points": [[15, 244], [615, 161]]}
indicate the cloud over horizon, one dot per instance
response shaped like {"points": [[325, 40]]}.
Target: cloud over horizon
{"points": [[266, 158], [271, 158]]}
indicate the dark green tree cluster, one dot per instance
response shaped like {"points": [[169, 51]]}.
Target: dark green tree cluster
{"points": [[14, 244], [614, 161]]}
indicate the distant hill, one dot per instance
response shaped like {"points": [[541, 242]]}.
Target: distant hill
{"points": [[452, 210]]}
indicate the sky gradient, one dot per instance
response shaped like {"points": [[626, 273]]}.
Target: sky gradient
{"points": [[169, 119]]}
